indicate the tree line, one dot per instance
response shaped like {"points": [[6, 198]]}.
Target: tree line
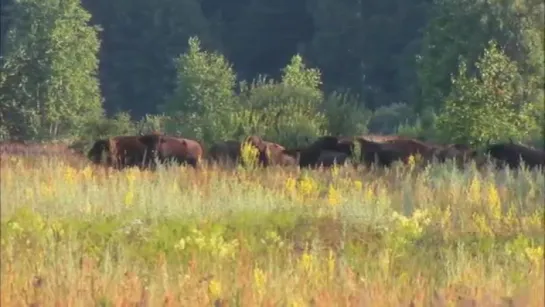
{"points": [[458, 70]]}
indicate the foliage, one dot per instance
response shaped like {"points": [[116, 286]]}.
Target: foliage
{"points": [[249, 155], [48, 82], [488, 106], [139, 41], [119, 124], [149, 237], [203, 95], [464, 28], [287, 111], [345, 114], [397, 65], [386, 119]]}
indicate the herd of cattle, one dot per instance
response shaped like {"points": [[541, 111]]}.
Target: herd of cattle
{"points": [[145, 151]]}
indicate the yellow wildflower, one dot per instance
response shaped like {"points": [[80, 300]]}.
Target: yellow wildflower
{"points": [[306, 262], [129, 198], [333, 197], [131, 175], [259, 280], [70, 174], [297, 302], [481, 224], [214, 289], [290, 185], [411, 161], [474, 190], [535, 255], [493, 200], [248, 154], [46, 189], [331, 264], [87, 172], [175, 187], [335, 170], [369, 194], [358, 185], [307, 187]]}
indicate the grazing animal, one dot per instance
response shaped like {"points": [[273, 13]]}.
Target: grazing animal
{"points": [[380, 153], [121, 152], [512, 154], [269, 153], [230, 152], [328, 158], [276, 155], [460, 153], [226, 152], [257, 142], [173, 149], [387, 152], [309, 156]]}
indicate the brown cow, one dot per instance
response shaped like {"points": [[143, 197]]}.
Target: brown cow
{"points": [[370, 152], [276, 155], [387, 152], [328, 158], [227, 152], [309, 156], [174, 149], [121, 152], [269, 153], [512, 154], [460, 153]]}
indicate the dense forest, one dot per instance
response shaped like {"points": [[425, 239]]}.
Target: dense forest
{"points": [[462, 70]]}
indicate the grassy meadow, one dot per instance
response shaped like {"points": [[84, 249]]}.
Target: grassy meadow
{"points": [[439, 236]]}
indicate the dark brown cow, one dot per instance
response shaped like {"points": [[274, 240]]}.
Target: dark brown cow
{"points": [[269, 153], [174, 149], [328, 158], [512, 154], [371, 152], [227, 152], [387, 152], [121, 152], [459, 153], [309, 156]]}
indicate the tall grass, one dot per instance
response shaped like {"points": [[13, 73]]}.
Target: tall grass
{"points": [[276, 237]]}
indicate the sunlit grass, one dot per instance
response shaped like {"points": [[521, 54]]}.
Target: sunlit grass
{"points": [[85, 236]]}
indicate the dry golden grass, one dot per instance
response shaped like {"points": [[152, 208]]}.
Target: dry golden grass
{"points": [[77, 235]]}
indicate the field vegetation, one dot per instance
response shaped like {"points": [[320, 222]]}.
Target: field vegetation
{"points": [[79, 235]]}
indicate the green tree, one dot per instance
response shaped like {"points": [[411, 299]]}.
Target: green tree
{"points": [[489, 105], [48, 83], [289, 111], [139, 41], [345, 114], [203, 100], [368, 46], [464, 27]]}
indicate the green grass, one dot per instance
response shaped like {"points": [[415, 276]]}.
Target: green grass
{"points": [[275, 237]]}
